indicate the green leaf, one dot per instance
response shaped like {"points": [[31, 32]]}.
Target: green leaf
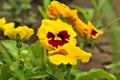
{"points": [[10, 46], [7, 6], [37, 49], [100, 5], [95, 74], [90, 13], [113, 65], [14, 66], [46, 3], [39, 75], [5, 72], [59, 74], [43, 13], [4, 55]]}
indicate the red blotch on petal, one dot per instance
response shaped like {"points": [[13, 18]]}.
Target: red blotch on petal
{"points": [[63, 35], [94, 32]]}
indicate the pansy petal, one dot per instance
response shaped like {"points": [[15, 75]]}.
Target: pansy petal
{"points": [[59, 59], [11, 33], [68, 54], [8, 26], [2, 21]]}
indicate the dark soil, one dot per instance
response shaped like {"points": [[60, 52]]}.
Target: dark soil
{"points": [[102, 49]]}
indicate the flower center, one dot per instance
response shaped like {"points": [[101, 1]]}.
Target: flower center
{"points": [[93, 32], [58, 39]]}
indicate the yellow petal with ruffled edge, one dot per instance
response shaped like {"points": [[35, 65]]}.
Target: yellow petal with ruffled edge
{"points": [[68, 54], [24, 32], [8, 26], [11, 33], [55, 27]]}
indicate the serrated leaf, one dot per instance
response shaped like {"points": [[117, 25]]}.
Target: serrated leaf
{"points": [[95, 74]]}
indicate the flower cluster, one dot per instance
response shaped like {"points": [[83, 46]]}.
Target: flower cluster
{"points": [[58, 36], [23, 31], [85, 30]]}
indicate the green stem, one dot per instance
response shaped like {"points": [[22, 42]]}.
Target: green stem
{"points": [[68, 73], [45, 55], [19, 51]]}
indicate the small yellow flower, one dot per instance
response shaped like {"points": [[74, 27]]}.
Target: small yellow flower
{"points": [[68, 54], [23, 31], [56, 33]]}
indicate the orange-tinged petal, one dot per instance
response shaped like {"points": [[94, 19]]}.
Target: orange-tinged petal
{"points": [[56, 8], [91, 31]]}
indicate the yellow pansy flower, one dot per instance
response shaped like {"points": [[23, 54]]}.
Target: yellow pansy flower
{"points": [[59, 38], [23, 31], [68, 54], [55, 8], [56, 33]]}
